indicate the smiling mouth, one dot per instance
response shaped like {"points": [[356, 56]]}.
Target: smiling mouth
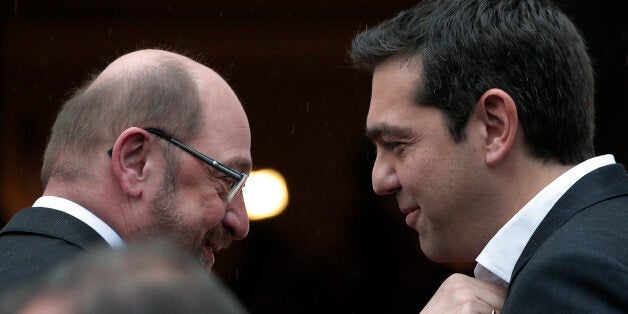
{"points": [[208, 256], [215, 241], [208, 252], [407, 211], [412, 216]]}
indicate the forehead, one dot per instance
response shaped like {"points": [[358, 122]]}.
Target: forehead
{"points": [[393, 97], [226, 135]]}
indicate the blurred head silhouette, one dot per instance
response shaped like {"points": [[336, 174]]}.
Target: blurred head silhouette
{"points": [[144, 277]]}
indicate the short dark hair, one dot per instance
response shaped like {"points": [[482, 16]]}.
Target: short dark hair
{"points": [[528, 48]]}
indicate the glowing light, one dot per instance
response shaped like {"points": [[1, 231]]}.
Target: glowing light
{"points": [[265, 194]]}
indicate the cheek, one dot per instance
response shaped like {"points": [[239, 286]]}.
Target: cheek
{"points": [[435, 181], [200, 202], [416, 173], [205, 209]]}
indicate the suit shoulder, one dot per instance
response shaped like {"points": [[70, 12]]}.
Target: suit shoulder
{"points": [[26, 257], [581, 267], [570, 280], [602, 227]]}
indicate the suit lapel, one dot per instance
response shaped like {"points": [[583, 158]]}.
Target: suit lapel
{"points": [[56, 224], [601, 184]]}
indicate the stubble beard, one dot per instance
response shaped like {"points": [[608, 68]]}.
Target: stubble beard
{"points": [[169, 222]]}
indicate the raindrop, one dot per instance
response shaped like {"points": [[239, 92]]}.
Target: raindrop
{"points": [[307, 106], [110, 31], [15, 7], [292, 131], [221, 12]]}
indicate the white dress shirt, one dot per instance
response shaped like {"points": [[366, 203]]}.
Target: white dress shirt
{"points": [[497, 260], [81, 213]]}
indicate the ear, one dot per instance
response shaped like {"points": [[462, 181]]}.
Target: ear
{"points": [[499, 115], [129, 160]]}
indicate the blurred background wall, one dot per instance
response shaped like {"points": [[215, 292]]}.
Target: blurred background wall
{"points": [[337, 247]]}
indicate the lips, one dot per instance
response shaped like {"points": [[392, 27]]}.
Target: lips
{"points": [[407, 211], [412, 216], [209, 251], [208, 256]]}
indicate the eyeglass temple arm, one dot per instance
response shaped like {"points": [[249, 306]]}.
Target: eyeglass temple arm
{"points": [[234, 174]]}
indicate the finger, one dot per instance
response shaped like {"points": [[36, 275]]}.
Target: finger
{"points": [[494, 296], [489, 296], [489, 293], [488, 286], [495, 302]]}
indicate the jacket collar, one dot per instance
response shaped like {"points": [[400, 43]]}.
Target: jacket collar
{"points": [[599, 185], [54, 223]]}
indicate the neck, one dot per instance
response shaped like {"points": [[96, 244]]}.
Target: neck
{"points": [[524, 181], [97, 197]]}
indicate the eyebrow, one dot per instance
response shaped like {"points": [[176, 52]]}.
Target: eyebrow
{"points": [[377, 131], [240, 164]]}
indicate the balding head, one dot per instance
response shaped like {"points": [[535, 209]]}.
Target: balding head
{"points": [[145, 88], [138, 61]]}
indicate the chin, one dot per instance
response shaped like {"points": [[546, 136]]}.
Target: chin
{"points": [[446, 256], [436, 253]]}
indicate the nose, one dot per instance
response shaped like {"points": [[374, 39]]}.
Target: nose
{"points": [[236, 219], [384, 177]]}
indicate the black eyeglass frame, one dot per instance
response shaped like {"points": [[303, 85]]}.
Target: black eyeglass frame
{"points": [[239, 177]]}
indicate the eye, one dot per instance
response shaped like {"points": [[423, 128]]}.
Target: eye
{"points": [[230, 182], [221, 183], [392, 145], [227, 182], [397, 148]]}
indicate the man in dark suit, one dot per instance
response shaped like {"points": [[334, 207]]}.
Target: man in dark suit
{"points": [[124, 162], [483, 119]]}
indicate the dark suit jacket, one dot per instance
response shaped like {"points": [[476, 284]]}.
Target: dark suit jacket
{"points": [[577, 259], [37, 239]]}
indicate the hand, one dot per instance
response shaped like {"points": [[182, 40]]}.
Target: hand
{"points": [[464, 294]]}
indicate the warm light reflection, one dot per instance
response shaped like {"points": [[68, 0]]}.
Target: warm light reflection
{"points": [[265, 194]]}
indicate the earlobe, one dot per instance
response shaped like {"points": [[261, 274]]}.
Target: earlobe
{"points": [[129, 160], [499, 114]]}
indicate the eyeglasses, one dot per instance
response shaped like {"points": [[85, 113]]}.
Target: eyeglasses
{"points": [[239, 178]]}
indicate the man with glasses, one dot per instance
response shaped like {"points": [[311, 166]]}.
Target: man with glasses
{"points": [[157, 145]]}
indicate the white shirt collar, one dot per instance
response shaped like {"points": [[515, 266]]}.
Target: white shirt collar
{"points": [[497, 260], [82, 214]]}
